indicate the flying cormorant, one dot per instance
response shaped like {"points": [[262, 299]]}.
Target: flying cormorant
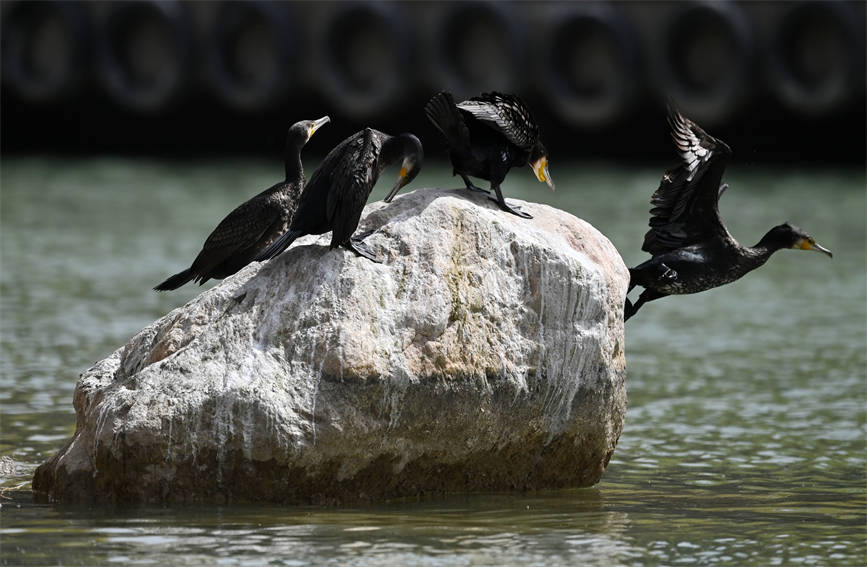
{"points": [[487, 135], [692, 250], [254, 224], [338, 190]]}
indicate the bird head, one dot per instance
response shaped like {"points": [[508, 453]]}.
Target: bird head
{"points": [[413, 156], [303, 130], [539, 164], [311, 126], [790, 236]]}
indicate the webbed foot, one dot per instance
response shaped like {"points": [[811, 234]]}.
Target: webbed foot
{"points": [[668, 274], [361, 249], [516, 210], [628, 310]]}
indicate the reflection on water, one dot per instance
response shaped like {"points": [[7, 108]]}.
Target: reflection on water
{"points": [[619, 522], [745, 435], [483, 530]]}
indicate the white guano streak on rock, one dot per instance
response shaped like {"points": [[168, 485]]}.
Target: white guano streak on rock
{"points": [[277, 362]]}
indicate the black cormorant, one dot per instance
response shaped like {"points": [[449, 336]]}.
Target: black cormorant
{"points": [[488, 135], [254, 224], [692, 250], [338, 190]]}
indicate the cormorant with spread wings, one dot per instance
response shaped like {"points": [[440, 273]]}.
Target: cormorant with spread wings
{"points": [[488, 135], [692, 250]]}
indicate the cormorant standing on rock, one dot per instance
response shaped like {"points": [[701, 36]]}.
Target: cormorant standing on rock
{"points": [[254, 224], [339, 188], [488, 135], [692, 250]]}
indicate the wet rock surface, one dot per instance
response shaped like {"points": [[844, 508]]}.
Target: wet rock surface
{"points": [[485, 353]]}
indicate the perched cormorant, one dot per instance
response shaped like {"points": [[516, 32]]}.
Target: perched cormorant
{"points": [[488, 135], [254, 224], [338, 190], [692, 250]]}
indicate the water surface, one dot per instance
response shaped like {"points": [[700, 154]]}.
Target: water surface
{"points": [[745, 434]]}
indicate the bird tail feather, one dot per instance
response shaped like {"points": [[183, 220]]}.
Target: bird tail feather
{"points": [[176, 281]]}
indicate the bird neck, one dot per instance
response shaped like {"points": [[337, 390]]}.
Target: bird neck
{"points": [[294, 170], [764, 248], [292, 160]]}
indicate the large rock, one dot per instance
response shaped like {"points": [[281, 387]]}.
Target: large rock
{"points": [[485, 353]]}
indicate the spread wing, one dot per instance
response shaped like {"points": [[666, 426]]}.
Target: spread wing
{"points": [[352, 170], [444, 114], [685, 207], [506, 114]]}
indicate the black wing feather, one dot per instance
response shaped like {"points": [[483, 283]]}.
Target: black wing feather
{"points": [[685, 207], [444, 114], [506, 114], [240, 229], [278, 246], [355, 173]]}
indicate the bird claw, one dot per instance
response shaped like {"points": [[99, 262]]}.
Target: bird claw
{"points": [[361, 249], [516, 210], [362, 235], [668, 274]]}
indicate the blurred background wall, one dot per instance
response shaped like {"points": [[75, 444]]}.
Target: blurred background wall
{"points": [[186, 79]]}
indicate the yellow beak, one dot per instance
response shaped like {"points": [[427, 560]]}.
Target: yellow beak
{"points": [[317, 124], [815, 246], [401, 181], [540, 168]]}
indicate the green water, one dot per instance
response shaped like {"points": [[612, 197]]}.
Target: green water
{"points": [[745, 435]]}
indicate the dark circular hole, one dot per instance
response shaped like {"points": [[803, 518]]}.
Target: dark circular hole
{"points": [[817, 57], [363, 50], [476, 47], [43, 48], [587, 58], [703, 50], [250, 53], [144, 52], [143, 44], [814, 50]]}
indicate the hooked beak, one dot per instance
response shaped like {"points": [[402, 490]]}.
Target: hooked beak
{"points": [[807, 245], [317, 124], [401, 181], [540, 168]]}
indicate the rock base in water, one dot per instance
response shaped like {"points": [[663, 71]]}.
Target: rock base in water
{"points": [[484, 354]]}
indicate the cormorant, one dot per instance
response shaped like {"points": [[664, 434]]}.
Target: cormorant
{"points": [[488, 135], [692, 250], [338, 190], [254, 224]]}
